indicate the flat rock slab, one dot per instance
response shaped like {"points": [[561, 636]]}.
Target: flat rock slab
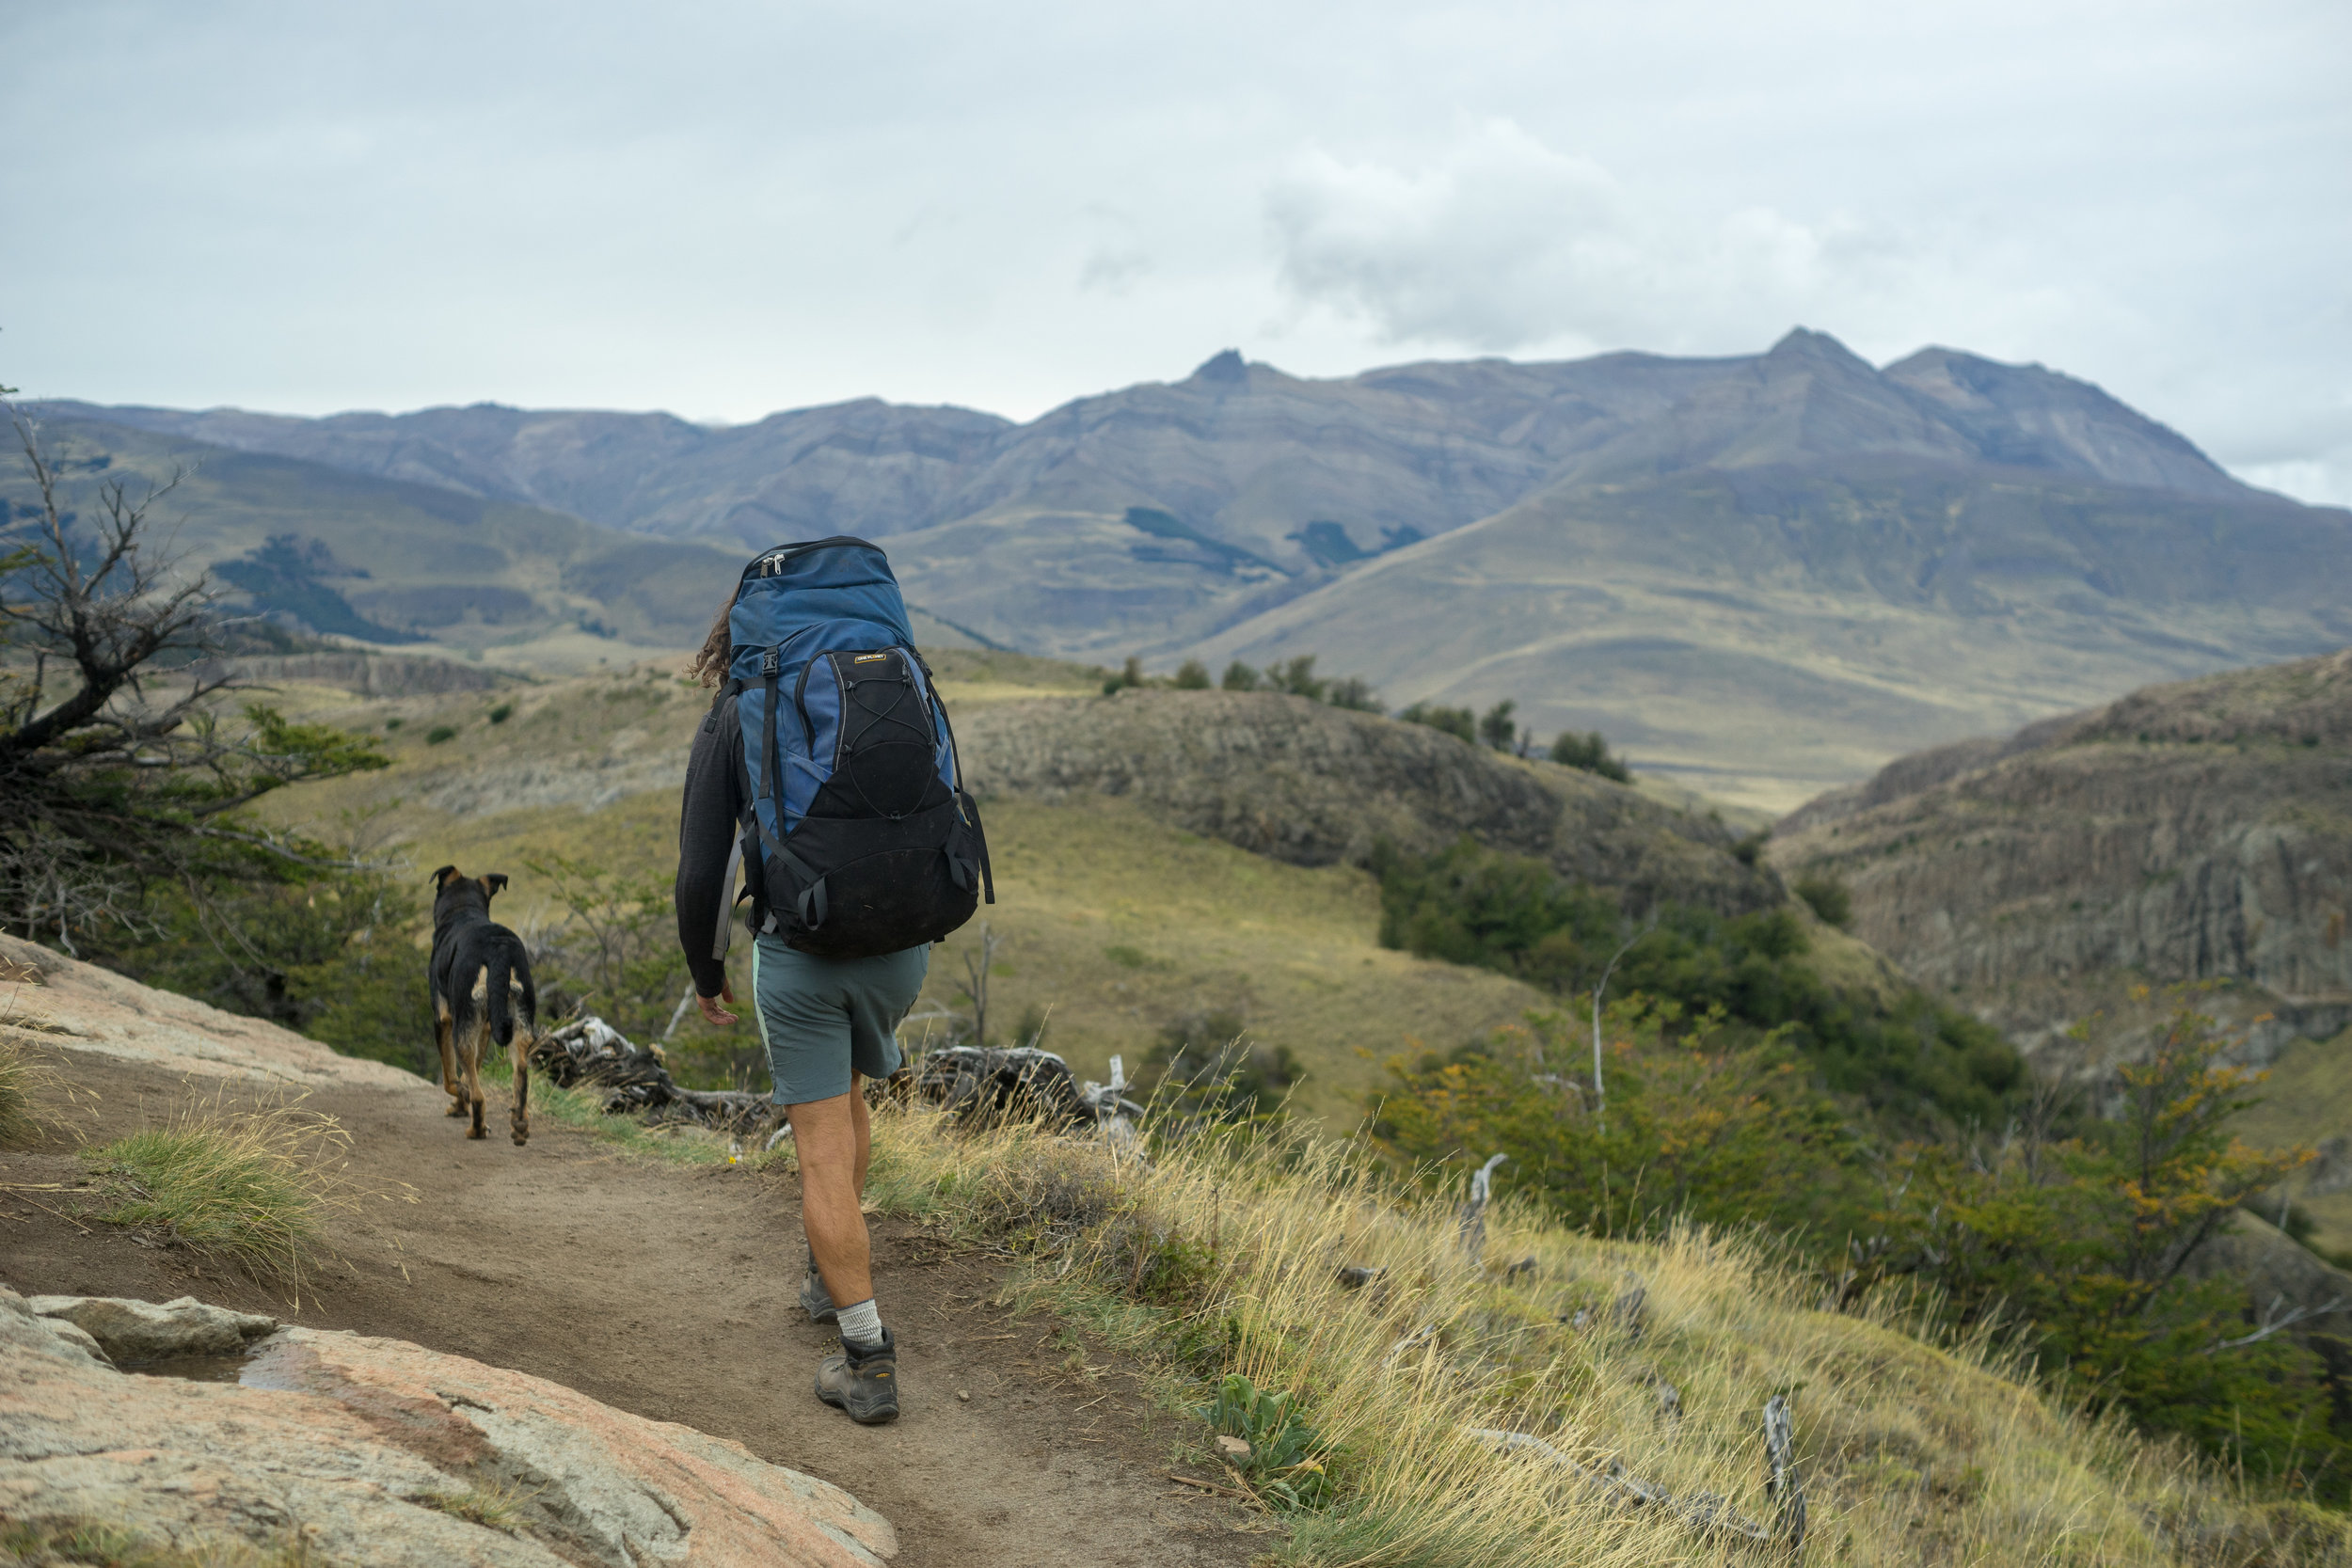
{"points": [[369, 1450], [80, 1007]]}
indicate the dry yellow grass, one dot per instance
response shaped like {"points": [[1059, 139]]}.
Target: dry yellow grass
{"points": [[1908, 1453]]}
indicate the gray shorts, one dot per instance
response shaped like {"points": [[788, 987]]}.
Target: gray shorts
{"points": [[822, 1019]]}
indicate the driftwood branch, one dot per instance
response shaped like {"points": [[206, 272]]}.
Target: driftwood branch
{"points": [[1703, 1513], [1781, 1481], [589, 1050], [1474, 1211], [983, 1086], [2275, 1322], [1707, 1513]]}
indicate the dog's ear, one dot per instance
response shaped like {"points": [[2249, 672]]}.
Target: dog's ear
{"points": [[441, 877], [494, 884]]}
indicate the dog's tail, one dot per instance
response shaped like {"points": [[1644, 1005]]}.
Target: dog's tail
{"points": [[503, 962]]}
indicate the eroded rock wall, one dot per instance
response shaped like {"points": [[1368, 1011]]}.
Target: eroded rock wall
{"points": [[1317, 786], [2192, 832]]}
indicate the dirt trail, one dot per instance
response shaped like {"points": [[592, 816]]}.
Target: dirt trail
{"points": [[669, 1292]]}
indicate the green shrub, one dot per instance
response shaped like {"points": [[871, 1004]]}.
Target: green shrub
{"points": [[1192, 675], [1588, 752], [1285, 1464], [1131, 673], [1458, 721], [1242, 677], [439, 733], [1829, 897], [1699, 1120], [1511, 913], [614, 952], [1206, 1069], [2085, 1227], [1298, 678], [1496, 726], [502, 713]]}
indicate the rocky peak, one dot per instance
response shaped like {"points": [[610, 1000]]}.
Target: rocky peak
{"points": [[1227, 367]]}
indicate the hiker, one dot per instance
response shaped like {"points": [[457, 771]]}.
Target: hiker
{"points": [[825, 769]]}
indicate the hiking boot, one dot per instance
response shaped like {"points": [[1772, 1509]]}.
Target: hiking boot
{"points": [[815, 1299], [861, 1380]]}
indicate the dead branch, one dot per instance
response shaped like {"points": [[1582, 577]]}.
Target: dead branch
{"points": [[1473, 1211], [2274, 1321], [1705, 1512], [589, 1050], [1781, 1481]]}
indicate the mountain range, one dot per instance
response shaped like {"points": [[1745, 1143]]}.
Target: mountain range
{"points": [[1766, 573]]}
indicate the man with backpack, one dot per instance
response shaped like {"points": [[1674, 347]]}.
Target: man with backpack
{"points": [[827, 771]]}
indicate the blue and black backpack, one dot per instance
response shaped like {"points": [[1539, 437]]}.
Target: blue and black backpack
{"points": [[854, 810]]}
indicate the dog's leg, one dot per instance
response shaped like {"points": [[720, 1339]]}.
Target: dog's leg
{"points": [[446, 1039], [518, 1049], [471, 1041]]}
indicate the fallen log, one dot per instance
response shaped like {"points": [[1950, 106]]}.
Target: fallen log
{"points": [[986, 1088], [588, 1051], [1703, 1513]]}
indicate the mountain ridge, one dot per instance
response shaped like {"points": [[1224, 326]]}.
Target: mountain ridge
{"points": [[1539, 422], [1768, 573]]}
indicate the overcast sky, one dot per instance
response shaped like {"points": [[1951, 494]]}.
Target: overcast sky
{"points": [[724, 209]]}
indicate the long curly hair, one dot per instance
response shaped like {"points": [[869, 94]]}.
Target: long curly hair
{"points": [[710, 664]]}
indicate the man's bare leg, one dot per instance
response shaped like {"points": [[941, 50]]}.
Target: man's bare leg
{"points": [[833, 1141]]}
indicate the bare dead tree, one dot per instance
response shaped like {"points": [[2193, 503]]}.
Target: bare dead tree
{"points": [[111, 776], [975, 990]]}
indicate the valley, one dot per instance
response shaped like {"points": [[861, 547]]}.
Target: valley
{"points": [[2194, 834]]}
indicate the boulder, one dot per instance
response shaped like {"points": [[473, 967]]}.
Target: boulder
{"points": [[130, 1330], [379, 1452]]}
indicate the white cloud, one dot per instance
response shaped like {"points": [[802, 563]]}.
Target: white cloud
{"points": [[1500, 242], [752, 206]]}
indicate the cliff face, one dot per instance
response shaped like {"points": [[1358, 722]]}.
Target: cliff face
{"points": [[2195, 832], [1312, 784]]}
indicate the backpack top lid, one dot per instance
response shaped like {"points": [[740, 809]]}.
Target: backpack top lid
{"points": [[802, 600]]}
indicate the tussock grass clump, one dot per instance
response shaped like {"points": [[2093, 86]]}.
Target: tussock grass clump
{"points": [[22, 1078], [95, 1543], [252, 1187], [1222, 1255], [19, 1077], [497, 1506]]}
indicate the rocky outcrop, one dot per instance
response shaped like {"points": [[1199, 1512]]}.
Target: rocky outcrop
{"points": [[83, 1007], [368, 674], [127, 1330], [2194, 831], [1316, 786], [380, 1452]]}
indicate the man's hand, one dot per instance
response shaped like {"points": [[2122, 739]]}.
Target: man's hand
{"points": [[712, 1011]]}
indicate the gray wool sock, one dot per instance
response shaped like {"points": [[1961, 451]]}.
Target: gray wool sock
{"points": [[861, 1326]]}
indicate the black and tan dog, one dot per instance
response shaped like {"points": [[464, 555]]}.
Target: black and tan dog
{"points": [[481, 977]]}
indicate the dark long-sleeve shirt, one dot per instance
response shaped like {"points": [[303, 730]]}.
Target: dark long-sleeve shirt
{"points": [[708, 847]]}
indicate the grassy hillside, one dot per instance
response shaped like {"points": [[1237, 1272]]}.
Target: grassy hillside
{"points": [[1113, 922], [1643, 1360], [1768, 633]]}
